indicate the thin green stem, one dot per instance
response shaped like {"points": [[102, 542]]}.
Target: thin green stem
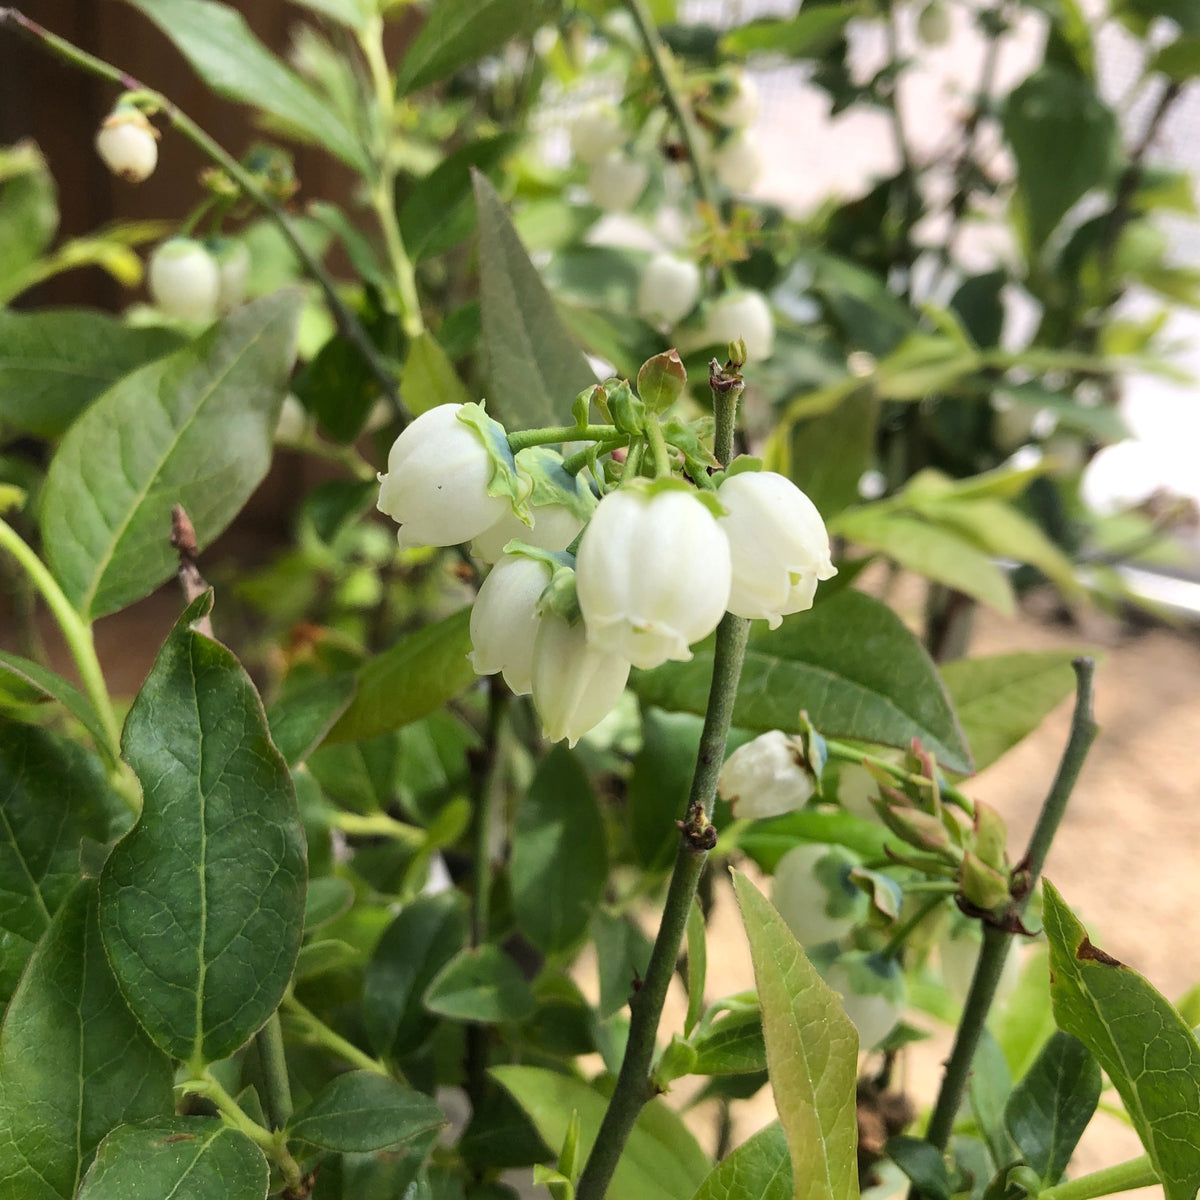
{"points": [[726, 392], [633, 1087], [273, 1061], [1135, 1173], [996, 941], [947, 791], [523, 438], [378, 825], [344, 456], [310, 1028], [574, 463], [904, 930], [658, 447], [348, 324]]}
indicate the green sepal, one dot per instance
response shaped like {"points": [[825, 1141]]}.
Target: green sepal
{"points": [[884, 891], [655, 487], [625, 410], [553, 485], [661, 380], [508, 479], [984, 886], [991, 836], [560, 596], [742, 464], [691, 439], [816, 751], [581, 406]]}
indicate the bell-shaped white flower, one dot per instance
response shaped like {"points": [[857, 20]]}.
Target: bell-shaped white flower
{"points": [[233, 270], [504, 620], [874, 995], [738, 104], [616, 181], [738, 162], [595, 133], [128, 144], [745, 315], [668, 289], [575, 685], [815, 895], [778, 545], [653, 573], [555, 527], [765, 777], [855, 788], [436, 484], [184, 280]]}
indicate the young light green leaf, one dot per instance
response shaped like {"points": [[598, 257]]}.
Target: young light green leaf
{"points": [[303, 716], [55, 362], [361, 1110], [202, 902], [559, 865], [73, 1061], [481, 984], [732, 1045], [409, 680], [351, 13], [201, 1158], [812, 1052], [429, 377], [658, 787], [28, 214], [1003, 698], [1143, 1044], [1050, 1108], [697, 965], [850, 662], [622, 956], [194, 428], [661, 1161], [807, 34], [457, 32], [51, 798], [223, 51], [759, 1169], [536, 367]]}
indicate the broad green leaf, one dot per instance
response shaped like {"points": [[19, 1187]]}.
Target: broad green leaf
{"points": [[361, 1110], [52, 796], [200, 1158], [759, 1169], [409, 680], [339, 388], [661, 1160], [222, 50], [808, 34], [360, 776], [697, 965], [425, 935], [429, 377], [1053, 108], [194, 428], [28, 214], [988, 1090], [559, 865], [622, 956], [767, 841], [924, 1164], [73, 1061], [27, 674], [327, 898], [303, 715], [54, 363], [812, 1054], [658, 787], [1003, 698], [1025, 1022], [535, 366], [732, 1045], [1051, 1107], [480, 984], [457, 32], [930, 550], [202, 902], [1143, 1044], [351, 13], [849, 662], [829, 453]]}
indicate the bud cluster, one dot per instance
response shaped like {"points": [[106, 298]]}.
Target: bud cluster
{"points": [[198, 281]]}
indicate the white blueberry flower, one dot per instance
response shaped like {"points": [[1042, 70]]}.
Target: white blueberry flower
{"points": [[504, 620], [765, 777], [668, 289], [575, 685], [738, 105], [873, 993], [436, 484], [184, 280], [855, 787], [778, 545], [744, 315], [128, 144], [814, 894], [738, 162], [233, 269], [616, 181], [653, 573], [595, 133]]}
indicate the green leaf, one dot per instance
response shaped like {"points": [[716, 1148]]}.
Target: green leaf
{"points": [[929, 550], [808, 34], [28, 214], [829, 453], [658, 787], [1051, 1107], [327, 899], [197, 1157], [661, 1160], [202, 902], [410, 680], [1002, 699], [351, 13], [923, 1164], [303, 715], [457, 32], [759, 1169], [622, 956], [50, 800], [812, 1052], [988, 1089], [27, 674], [339, 388], [559, 865], [1053, 108], [536, 368], [732, 1045], [1026, 1021], [194, 428], [480, 984], [850, 662], [73, 1062], [769, 840], [1143, 1044], [222, 50], [697, 965], [1179, 61], [362, 1110], [429, 377], [54, 363]]}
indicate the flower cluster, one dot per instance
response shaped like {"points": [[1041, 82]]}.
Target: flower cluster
{"points": [[199, 281], [657, 562]]}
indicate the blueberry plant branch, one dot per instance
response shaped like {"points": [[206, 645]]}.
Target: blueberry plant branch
{"points": [[348, 324], [996, 940], [1122, 1177], [308, 1027], [273, 1062]]}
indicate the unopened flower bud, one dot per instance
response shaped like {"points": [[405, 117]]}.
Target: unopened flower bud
{"points": [[933, 24], [128, 144], [765, 777], [668, 290], [184, 280], [738, 162], [616, 181], [233, 267], [815, 895], [741, 315], [595, 134], [735, 102]]}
